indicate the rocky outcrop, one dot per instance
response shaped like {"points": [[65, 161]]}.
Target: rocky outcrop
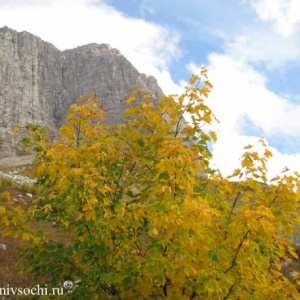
{"points": [[38, 82]]}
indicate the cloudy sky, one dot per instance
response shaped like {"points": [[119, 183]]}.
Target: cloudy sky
{"points": [[251, 48]]}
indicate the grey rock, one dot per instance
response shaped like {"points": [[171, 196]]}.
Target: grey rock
{"points": [[38, 82], [292, 275], [16, 161], [2, 247], [285, 263], [19, 179]]}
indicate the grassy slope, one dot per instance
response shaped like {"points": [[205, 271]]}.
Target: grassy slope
{"points": [[9, 270], [22, 195]]}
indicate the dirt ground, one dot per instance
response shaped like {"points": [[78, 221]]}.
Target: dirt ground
{"points": [[9, 270]]}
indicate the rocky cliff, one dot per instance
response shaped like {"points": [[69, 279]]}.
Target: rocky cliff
{"points": [[38, 82]]}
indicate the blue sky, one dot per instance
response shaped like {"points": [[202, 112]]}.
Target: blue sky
{"points": [[200, 25], [251, 48]]}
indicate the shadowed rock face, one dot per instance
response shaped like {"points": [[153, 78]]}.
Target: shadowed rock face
{"points": [[38, 82]]}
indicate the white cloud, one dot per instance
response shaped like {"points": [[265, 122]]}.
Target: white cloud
{"points": [[284, 14], [279, 161], [263, 45], [240, 94], [71, 23], [241, 99], [272, 38], [229, 148]]}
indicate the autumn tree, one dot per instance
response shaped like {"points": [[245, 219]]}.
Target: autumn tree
{"points": [[143, 214]]}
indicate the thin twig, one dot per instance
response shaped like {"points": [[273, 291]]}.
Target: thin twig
{"points": [[237, 251]]}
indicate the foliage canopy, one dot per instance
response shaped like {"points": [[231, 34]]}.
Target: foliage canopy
{"points": [[144, 214]]}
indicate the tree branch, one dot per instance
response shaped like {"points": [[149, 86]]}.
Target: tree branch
{"points": [[229, 292], [230, 214], [237, 251]]}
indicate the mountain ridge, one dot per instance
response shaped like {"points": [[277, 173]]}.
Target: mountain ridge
{"points": [[38, 82]]}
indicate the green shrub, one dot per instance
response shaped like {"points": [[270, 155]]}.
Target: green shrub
{"points": [[6, 182]]}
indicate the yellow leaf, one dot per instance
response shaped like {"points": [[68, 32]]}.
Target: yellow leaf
{"points": [[51, 153], [109, 188], [206, 82], [81, 98], [47, 208], [268, 153], [131, 97], [263, 142], [79, 217], [286, 169], [93, 201], [194, 78], [154, 231], [107, 213], [86, 207], [205, 91], [5, 221], [147, 96], [278, 265], [275, 178], [5, 196], [16, 129], [26, 236], [213, 135], [292, 252], [40, 168], [2, 210], [90, 215]]}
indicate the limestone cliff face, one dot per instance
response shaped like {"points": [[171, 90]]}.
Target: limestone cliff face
{"points": [[38, 82]]}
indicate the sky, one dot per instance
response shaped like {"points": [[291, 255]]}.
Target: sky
{"points": [[250, 47]]}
